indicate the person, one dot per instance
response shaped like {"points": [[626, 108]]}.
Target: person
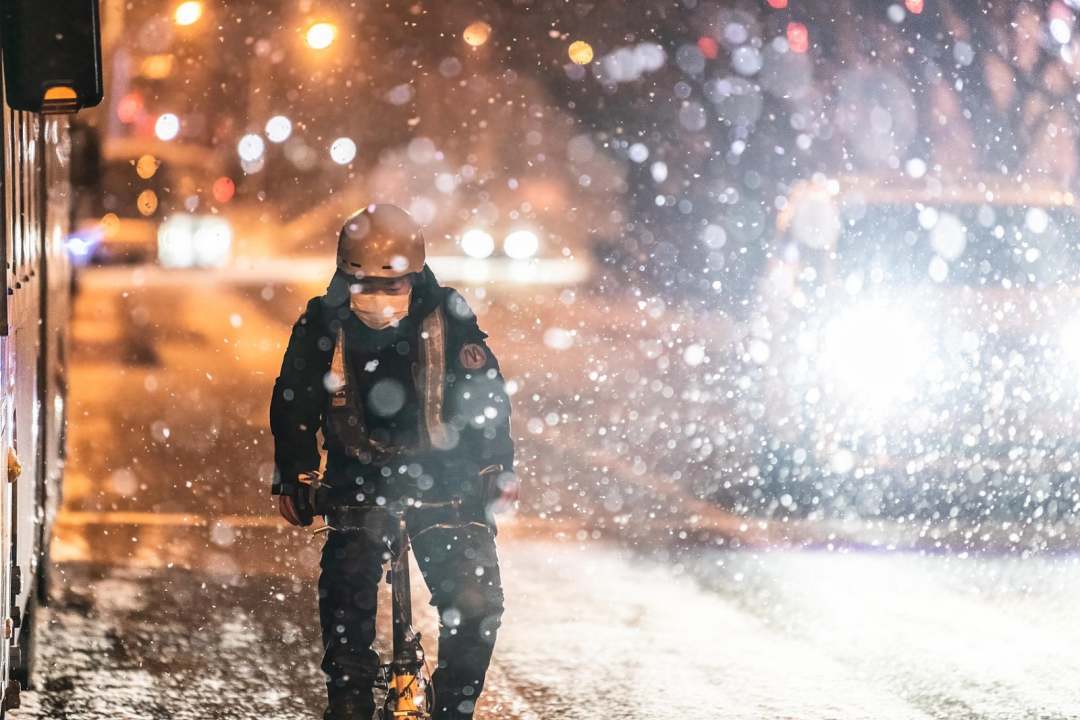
{"points": [[395, 372]]}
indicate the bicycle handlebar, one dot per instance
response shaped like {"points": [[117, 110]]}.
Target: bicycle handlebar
{"points": [[400, 510]]}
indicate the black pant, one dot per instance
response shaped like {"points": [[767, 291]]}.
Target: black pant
{"points": [[461, 569]]}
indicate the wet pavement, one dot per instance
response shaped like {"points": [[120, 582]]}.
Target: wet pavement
{"points": [[177, 593]]}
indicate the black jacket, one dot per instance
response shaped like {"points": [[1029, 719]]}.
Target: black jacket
{"points": [[466, 419]]}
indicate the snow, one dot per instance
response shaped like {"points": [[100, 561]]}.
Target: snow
{"points": [[785, 293]]}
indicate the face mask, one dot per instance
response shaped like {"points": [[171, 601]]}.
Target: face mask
{"points": [[379, 310]]}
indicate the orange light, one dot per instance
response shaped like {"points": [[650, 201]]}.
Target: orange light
{"points": [[477, 33], [224, 189], [708, 47], [129, 108], [798, 37], [188, 13], [581, 52], [147, 166], [147, 202], [321, 35], [778, 4], [157, 67], [110, 224], [914, 6], [60, 92]]}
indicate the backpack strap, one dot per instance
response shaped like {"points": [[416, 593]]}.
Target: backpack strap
{"points": [[338, 380], [345, 416], [431, 381]]}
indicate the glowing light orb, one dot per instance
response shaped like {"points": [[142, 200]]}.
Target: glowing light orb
{"points": [[129, 108], [188, 13], [167, 127], [321, 35], [477, 33], [147, 202], [250, 148], [477, 244], [278, 129], [708, 47], [343, 150], [581, 52], [223, 189], [521, 244], [147, 166], [798, 37]]}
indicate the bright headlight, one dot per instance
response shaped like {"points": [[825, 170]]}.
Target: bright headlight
{"points": [[876, 351], [192, 241], [521, 244], [477, 243], [212, 242], [175, 246]]}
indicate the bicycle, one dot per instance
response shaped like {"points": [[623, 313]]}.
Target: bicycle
{"points": [[405, 679]]}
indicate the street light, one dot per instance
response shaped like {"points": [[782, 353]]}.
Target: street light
{"points": [[321, 35], [188, 13]]}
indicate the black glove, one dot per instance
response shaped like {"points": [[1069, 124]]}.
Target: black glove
{"points": [[311, 497]]}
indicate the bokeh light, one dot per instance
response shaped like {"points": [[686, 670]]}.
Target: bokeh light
{"points": [[342, 151], [708, 47], [477, 243], [798, 37], [188, 13], [129, 108], [223, 189], [521, 244], [147, 202], [477, 33], [147, 166], [110, 223], [278, 129], [321, 35], [250, 148], [581, 52], [167, 127]]}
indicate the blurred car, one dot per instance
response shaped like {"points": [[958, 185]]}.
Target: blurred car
{"points": [[916, 351], [194, 241], [524, 256]]}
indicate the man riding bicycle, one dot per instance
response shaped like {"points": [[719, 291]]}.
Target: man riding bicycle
{"points": [[396, 373]]}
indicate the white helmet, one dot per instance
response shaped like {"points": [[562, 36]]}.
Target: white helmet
{"points": [[380, 241]]}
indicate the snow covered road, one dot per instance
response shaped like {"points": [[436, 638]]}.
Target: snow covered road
{"points": [[178, 594], [593, 631]]}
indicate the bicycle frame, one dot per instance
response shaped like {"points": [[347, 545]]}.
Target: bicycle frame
{"points": [[409, 694], [408, 686]]}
